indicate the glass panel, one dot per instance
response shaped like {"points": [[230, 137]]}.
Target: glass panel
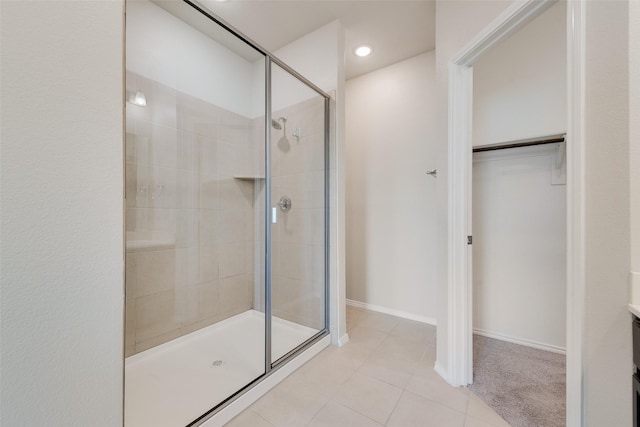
{"points": [[194, 214], [297, 191]]}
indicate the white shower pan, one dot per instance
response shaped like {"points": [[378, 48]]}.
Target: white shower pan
{"points": [[174, 383]]}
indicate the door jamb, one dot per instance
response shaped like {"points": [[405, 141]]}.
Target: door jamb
{"points": [[459, 366]]}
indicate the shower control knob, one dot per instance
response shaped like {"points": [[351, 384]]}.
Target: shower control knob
{"points": [[285, 204]]}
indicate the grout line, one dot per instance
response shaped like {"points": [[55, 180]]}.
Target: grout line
{"points": [[259, 415], [395, 406]]}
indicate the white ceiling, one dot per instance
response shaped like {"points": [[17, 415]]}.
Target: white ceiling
{"points": [[397, 29]]}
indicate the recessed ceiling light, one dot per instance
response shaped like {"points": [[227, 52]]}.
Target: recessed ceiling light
{"points": [[363, 50]]}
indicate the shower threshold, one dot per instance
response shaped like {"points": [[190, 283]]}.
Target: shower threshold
{"points": [[176, 382]]}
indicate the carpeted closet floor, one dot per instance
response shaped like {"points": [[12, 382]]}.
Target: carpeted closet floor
{"points": [[523, 385]]}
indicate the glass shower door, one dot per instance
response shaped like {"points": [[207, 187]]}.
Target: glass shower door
{"points": [[195, 326], [298, 152]]}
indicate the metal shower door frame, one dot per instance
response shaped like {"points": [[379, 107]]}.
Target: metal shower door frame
{"points": [[270, 365]]}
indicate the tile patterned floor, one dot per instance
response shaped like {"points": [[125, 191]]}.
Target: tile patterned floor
{"points": [[383, 377]]}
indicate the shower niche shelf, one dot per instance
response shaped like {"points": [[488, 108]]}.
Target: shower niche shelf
{"points": [[248, 177]]}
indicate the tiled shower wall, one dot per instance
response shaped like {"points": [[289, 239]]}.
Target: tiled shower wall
{"points": [[190, 224], [298, 237]]}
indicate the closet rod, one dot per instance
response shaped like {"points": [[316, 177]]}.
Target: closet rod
{"points": [[521, 143]]}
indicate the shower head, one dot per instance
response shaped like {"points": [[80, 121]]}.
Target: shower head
{"points": [[276, 123]]}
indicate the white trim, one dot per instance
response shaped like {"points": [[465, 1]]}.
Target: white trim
{"points": [[459, 292], [343, 340], [575, 211], [508, 22], [392, 312], [460, 351], [440, 370], [520, 341]]}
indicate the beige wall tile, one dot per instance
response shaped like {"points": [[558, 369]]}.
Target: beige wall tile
{"points": [[187, 190], [208, 261], [235, 195], [155, 272], [233, 259], [197, 116], [208, 300], [233, 128], [315, 231], [293, 261], [293, 225], [162, 104], [188, 151], [315, 152], [207, 163], [156, 315], [137, 185], [208, 194], [130, 278], [233, 294], [164, 146], [174, 193], [156, 341], [163, 187], [207, 234], [291, 162], [232, 226], [232, 159]]}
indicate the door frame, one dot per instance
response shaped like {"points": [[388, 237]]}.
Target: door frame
{"points": [[459, 371]]}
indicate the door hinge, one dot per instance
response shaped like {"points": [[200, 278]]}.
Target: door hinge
{"points": [[469, 240]]}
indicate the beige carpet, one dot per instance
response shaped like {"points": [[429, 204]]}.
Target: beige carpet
{"points": [[524, 385]]}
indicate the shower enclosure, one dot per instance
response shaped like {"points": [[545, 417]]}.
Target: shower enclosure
{"points": [[227, 154]]}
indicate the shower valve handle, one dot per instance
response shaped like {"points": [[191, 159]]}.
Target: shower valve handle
{"points": [[285, 204]]}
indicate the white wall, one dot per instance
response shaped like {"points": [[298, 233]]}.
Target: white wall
{"points": [[391, 211], [315, 56], [519, 217], [519, 86], [519, 247], [457, 22], [62, 213], [165, 49], [607, 377]]}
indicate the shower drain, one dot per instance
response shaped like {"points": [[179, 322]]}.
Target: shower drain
{"points": [[216, 363]]}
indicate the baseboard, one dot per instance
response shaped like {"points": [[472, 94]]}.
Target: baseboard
{"points": [[343, 340], [520, 341], [391, 311], [441, 371]]}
